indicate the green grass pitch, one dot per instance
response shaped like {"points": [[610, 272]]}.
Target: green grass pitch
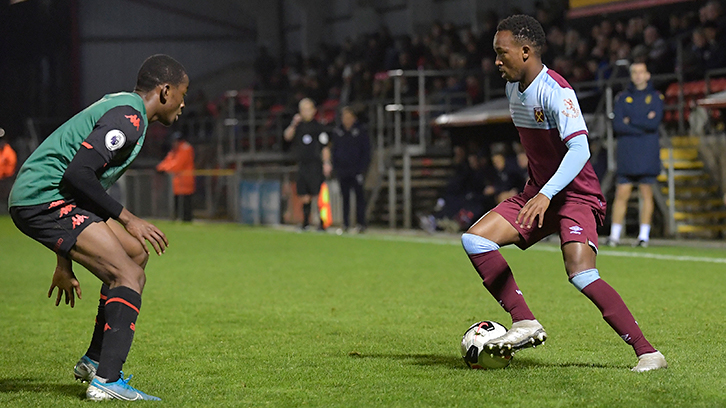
{"points": [[239, 316]]}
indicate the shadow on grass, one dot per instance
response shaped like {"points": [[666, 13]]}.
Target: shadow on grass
{"points": [[527, 363], [10, 385], [449, 361], [457, 363]]}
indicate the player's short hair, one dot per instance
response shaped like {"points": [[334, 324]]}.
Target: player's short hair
{"points": [[526, 30], [159, 69]]}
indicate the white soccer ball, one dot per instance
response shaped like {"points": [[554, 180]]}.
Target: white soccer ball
{"points": [[472, 346]]}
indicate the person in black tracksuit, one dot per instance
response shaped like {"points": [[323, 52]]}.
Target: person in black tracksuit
{"points": [[310, 143], [351, 156], [637, 113]]}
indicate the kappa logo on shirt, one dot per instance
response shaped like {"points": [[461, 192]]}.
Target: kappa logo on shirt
{"points": [[134, 120], [66, 210], [307, 139], [56, 204], [78, 219], [539, 116], [570, 110], [576, 229]]}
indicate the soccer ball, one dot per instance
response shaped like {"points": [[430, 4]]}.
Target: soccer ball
{"points": [[472, 346]]}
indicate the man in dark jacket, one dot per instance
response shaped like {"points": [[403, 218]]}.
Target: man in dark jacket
{"points": [[351, 156], [638, 112]]}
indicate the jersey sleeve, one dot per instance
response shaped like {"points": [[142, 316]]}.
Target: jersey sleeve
{"points": [[116, 134], [565, 109]]}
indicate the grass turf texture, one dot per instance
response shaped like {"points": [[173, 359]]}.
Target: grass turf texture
{"points": [[237, 316]]}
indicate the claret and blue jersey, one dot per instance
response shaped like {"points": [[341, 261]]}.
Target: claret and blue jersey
{"points": [[547, 115]]}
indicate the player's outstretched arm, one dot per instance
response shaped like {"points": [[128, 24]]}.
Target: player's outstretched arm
{"points": [[65, 281], [143, 230]]}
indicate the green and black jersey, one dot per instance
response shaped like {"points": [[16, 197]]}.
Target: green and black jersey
{"points": [[114, 127]]}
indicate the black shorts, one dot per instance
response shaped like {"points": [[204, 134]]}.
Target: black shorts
{"points": [[55, 225], [309, 179]]}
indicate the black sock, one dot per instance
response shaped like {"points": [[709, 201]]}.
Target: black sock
{"points": [[94, 350], [122, 309], [306, 214]]}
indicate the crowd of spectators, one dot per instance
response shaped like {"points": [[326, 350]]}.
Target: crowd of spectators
{"points": [[482, 178], [355, 71]]}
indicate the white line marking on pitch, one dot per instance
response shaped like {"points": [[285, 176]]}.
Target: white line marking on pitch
{"points": [[547, 248]]}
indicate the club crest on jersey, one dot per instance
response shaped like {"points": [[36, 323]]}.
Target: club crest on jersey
{"points": [[570, 110], [115, 139], [538, 114]]}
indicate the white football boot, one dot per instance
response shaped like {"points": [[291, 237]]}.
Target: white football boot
{"points": [[650, 361], [523, 334]]}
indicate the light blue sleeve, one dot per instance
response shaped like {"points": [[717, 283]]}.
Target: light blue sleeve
{"points": [[577, 155]]}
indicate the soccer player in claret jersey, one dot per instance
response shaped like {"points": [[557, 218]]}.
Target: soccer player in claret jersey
{"points": [[59, 199], [562, 196]]}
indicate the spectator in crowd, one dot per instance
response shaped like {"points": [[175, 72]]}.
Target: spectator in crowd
{"points": [[310, 143], [179, 162], [694, 58], [715, 56], [638, 112], [659, 55], [462, 201], [351, 153], [8, 161], [503, 181]]}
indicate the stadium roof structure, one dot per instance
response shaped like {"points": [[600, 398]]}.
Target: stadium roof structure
{"points": [[717, 100], [492, 112]]}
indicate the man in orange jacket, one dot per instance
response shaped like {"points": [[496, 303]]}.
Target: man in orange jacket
{"points": [[8, 160], [180, 163]]}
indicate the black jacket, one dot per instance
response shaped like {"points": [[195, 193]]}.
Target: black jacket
{"points": [[351, 151]]}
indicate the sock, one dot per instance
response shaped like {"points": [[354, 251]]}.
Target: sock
{"points": [[122, 309], [496, 275], [306, 214], [615, 231], [94, 350], [613, 309], [644, 234]]}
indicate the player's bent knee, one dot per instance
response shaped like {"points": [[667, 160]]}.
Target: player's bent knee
{"points": [[141, 258], [584, 278]]}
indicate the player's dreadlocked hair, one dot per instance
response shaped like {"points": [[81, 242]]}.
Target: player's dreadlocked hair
{"points": [[526, 30], [159, 69]]}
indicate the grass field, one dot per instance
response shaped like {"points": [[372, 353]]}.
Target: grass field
{"points": [[238, 316]]}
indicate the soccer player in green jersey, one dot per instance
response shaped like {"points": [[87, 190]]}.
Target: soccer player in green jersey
{"points": [[59, 199]]}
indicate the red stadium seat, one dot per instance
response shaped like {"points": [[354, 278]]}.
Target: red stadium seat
{"points": [[277, 109], [672, 90], [717, 85], [330, 104], [695, 88]]}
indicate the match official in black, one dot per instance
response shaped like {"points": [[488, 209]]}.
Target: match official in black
{"points": [[351, 157], [310, 143]]}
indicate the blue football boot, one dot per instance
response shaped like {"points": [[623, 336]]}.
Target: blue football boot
{"points": [[120, 390]]}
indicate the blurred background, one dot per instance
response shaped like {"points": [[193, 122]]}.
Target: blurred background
{"points": [[419, 74]]}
